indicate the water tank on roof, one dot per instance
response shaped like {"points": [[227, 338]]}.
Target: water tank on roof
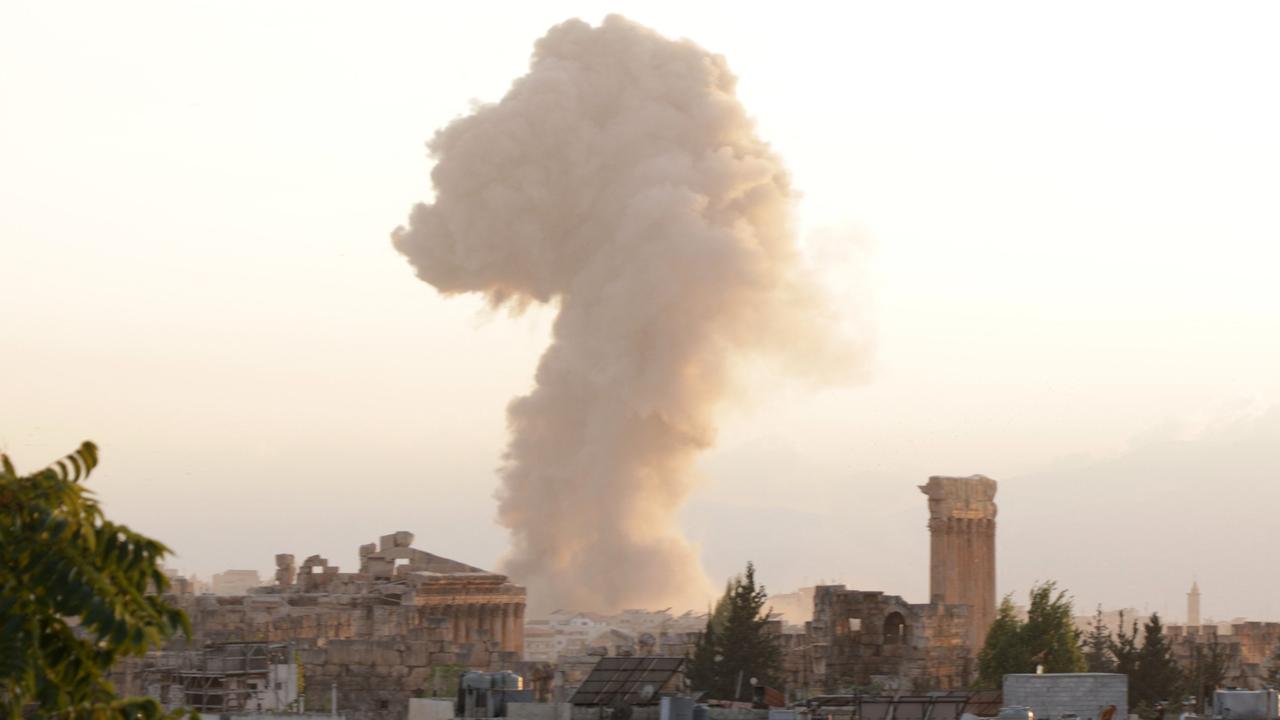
{"points": [[1245, 704]]}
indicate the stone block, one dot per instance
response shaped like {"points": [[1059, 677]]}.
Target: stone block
{"points": [[401, 538], [349, 652], [417, 654], [385, 654]]}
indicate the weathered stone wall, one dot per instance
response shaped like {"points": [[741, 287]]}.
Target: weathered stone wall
{"points": [[1247, 646], [376, 678], [858, 639], [403, 626], [1055, 694]]}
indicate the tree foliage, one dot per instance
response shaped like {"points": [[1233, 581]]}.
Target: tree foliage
{"points": [[1126, 649], [739, 647], [702, 666], [1209, 664], [75, 596], [1048, 637], [1154, 676], [1097, 646], [1003, 652], [1157, 677]]}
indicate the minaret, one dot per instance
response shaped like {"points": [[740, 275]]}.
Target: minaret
{"points": [[1193, 605], [962, 554]]}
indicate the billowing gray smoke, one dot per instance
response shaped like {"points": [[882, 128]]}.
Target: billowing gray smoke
{"points": [[621, 179]]}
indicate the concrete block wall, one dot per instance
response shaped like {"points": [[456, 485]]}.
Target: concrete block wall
{"points": [[1054, 694]]}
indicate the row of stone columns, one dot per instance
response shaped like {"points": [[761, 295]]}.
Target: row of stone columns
{"points": [[503, 622]]}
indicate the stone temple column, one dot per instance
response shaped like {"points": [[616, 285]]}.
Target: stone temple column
{"points": [[962, 549], [518, 639], [508, 627], [495, 622], [482, 622], [473, 622], [456, 621]]}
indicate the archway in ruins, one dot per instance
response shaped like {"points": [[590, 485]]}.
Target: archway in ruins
{"points": [[895, 629]]}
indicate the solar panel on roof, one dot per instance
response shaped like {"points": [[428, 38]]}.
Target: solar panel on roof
{"points": [[627, 680]]}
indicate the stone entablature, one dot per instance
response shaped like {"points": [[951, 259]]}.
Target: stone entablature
{"points": [[478, 606]]}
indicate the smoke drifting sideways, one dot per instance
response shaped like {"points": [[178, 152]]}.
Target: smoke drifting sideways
{"points": [[622, 180]]}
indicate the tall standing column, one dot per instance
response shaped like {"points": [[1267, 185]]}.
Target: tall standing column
{"points": [[486, 630], [495, 622], [518, 644], [962, 548], [457, 622], [473, 622], [508, 627]]}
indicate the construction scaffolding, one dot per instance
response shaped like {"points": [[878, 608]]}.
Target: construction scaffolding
{"points": [[224, 677]]}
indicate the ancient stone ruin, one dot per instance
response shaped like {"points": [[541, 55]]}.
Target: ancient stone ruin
{"points": [[399, 627], [859, 639], [962, 550]]}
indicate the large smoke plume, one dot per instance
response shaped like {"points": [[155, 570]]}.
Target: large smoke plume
{"points": [[622, 179]]}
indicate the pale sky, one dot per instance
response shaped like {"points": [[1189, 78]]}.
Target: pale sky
{"points": [[1057, 221]]}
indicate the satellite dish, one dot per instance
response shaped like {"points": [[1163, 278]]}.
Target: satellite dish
{"points": [[647, 692]]}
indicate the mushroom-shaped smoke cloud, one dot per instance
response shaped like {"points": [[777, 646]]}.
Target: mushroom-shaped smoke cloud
{"points": [[622, 179]]}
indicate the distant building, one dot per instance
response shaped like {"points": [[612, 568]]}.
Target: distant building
{"points": [[1247, 645], [223, 678], [794, 609], [630, 632], [1112, 619], [180, 584], [236, 582], [1193, 605]]}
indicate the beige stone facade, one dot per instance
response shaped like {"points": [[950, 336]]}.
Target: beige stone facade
{"points": [[1249, 647]]}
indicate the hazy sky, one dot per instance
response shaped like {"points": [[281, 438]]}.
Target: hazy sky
{"points": [[1058, 222]]}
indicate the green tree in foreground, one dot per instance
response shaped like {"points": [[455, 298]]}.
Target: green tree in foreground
{"points": [[1097, 646], [702, 666], [1048, 637], [1125, 650], [739, 647], [1003, 653], [74, 596], [1156, 677], [1051, 633], [1209, 664]]}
